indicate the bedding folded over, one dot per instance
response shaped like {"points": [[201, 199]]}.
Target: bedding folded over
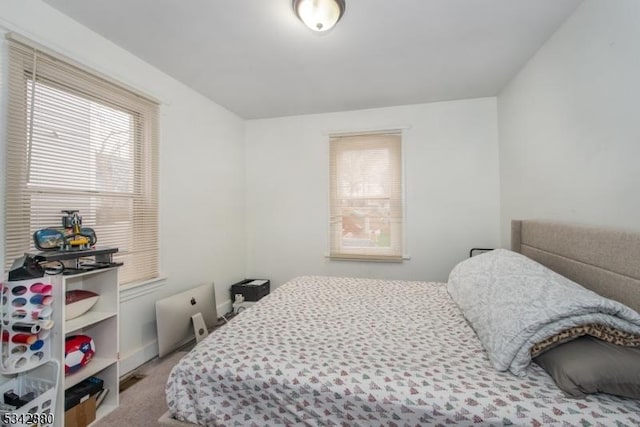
{"points": [[601, 332], [513, 303]]}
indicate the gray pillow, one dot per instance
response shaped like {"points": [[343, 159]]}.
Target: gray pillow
{"points": [[589, 365]]}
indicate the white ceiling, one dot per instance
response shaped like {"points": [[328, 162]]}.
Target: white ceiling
{"points": [[256, 59]]}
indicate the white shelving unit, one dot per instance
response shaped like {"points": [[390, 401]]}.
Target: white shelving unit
{"points": [[101, 323]]}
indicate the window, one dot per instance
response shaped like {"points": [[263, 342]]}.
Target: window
{"points": [[366, 207], [78, 141]]}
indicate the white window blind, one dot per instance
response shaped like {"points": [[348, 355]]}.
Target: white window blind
{"points": [[366, 203], [78, 141]]}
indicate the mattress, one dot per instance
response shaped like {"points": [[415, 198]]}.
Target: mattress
{"points": [[325, 351]]}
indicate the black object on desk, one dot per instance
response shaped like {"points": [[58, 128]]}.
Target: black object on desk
{"points": [[251, 289], [25, 268], [100, 254], [77, 394], [75, 261]]}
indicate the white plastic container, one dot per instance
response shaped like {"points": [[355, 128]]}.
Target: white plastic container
{"points": [[40, 411]]}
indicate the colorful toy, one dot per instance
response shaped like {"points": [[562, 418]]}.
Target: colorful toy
{"points": [[72, 237], [78, 351]]}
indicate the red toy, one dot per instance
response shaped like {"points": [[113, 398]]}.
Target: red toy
{"points": [[78, 351]]}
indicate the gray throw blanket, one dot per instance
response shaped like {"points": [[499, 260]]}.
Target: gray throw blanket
{"points": [[513, 302]]}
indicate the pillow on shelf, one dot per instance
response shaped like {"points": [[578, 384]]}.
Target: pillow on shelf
{"points": [[588, 365]]}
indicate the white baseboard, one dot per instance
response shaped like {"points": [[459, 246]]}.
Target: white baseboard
{"points": [[224, 308], [138, 358], [141, 355]]}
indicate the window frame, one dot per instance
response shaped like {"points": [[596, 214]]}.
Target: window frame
{"points": [[63, 74], [396, 251]]}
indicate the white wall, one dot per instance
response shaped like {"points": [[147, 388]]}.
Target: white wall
{"points": [[201, 171], [452, 189], [569, 123], [568, 150]]}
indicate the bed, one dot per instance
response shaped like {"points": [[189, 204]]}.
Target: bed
{"points": [[361, 352]]}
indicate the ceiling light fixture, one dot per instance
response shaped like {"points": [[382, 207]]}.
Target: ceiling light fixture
{"points": [[319, 15]]}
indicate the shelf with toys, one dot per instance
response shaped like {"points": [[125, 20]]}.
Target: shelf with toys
{"points": [[88, 342], [60, 327], [86, 331]]}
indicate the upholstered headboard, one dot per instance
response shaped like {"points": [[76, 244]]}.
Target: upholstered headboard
{"points": [[604, 260]]}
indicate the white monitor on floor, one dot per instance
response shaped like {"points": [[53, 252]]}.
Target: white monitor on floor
{"points": [[173, 316]]}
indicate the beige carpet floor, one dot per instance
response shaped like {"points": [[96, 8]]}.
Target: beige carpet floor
{"points": [[144, 402]]}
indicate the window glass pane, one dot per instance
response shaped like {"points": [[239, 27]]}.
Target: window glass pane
{"points": [[364, 173], [78, 144], [365, 223], [364, 188]]}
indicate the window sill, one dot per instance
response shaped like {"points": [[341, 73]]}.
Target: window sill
{"points": [[363, 258], [135, 290]]}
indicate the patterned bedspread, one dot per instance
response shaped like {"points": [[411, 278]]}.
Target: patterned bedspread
{"points": [[328, 351]]}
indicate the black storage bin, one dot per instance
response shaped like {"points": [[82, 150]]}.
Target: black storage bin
{"points": [[249, 291]]}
